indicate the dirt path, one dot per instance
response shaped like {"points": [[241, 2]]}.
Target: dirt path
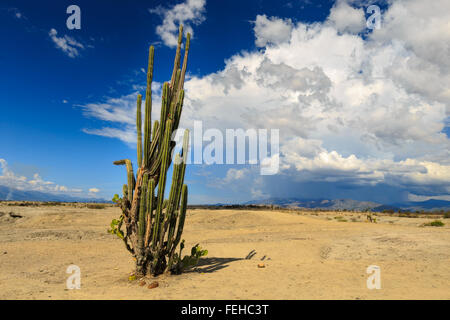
{"points": [[305, 256]]}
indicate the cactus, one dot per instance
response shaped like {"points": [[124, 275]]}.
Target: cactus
{"points": [[153, 225]]}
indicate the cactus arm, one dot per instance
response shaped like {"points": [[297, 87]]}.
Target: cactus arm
{"points": [[174, 97], [183, 208], [176, 63], [150, 205], [130, 176], [179, 171], [181, 219], [125, 191], [148, 108], [162, 122], [139, 130], [171, 216], [185, 60], [142, 211], [178, 109], [185, 151], [162, 181], [155, 130]]}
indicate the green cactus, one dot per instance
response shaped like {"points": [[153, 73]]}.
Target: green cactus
{"points": [[153, 225]]}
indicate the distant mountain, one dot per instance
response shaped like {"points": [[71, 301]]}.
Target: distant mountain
{"points": [[349, 204], [429, 205], [339, 204], [7, 193]]}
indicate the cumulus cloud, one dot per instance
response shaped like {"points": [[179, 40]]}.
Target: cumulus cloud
{"points": [[189, 13], [348, 108], [120, 114], [235, 174], [94, 190], [271, 30], [424, 31], [10, 179], [369, 113], [67, 44], [345, 18]]}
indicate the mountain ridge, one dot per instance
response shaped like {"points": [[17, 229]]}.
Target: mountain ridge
{"points": [[7, 193], [350, 204]]}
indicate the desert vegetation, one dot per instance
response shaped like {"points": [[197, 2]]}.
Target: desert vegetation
{"points": [[153, 226]]}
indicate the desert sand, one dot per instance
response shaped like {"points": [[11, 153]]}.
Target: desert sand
{"points": [[305, 255]]}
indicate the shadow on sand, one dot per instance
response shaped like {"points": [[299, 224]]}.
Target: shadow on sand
{"points": [[209, 265]]}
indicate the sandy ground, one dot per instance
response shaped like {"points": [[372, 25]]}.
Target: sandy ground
{"points": [[306, 256]]}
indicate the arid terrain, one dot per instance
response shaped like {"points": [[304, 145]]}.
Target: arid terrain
{"points": [[306, 255]]}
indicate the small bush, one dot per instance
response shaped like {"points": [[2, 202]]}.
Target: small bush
{"points": [[447, 215], [96, 206], [435, 223]]}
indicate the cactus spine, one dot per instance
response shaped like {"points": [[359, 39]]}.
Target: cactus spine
{"points": [[154, 225]]}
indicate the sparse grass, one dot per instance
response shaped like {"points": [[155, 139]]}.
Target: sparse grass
{"points": [[55, 203], [96, 206], [435, 223], [52, 203], [408, 215]]}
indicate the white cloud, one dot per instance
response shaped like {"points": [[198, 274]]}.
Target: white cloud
{"points": [[67, 44], [235, 174], [9, 179], [345, 18], [189, 13], [423, 28], [94, 190], [120, 112], [15, 12], [271, 30], [349, 106]]}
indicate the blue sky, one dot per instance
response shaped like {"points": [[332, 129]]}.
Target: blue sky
{"points": [[362, 113]]}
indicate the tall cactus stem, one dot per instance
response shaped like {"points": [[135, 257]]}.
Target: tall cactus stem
{"points": [[148, 107], [130, 176], [162, 122], [139, 130], [150, 205], [155, 130], [181, 219], [142, 211], [162, 181], [176, 63], [185, 59]]}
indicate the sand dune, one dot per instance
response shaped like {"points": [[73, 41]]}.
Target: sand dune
{"points": [[306, 256]]}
